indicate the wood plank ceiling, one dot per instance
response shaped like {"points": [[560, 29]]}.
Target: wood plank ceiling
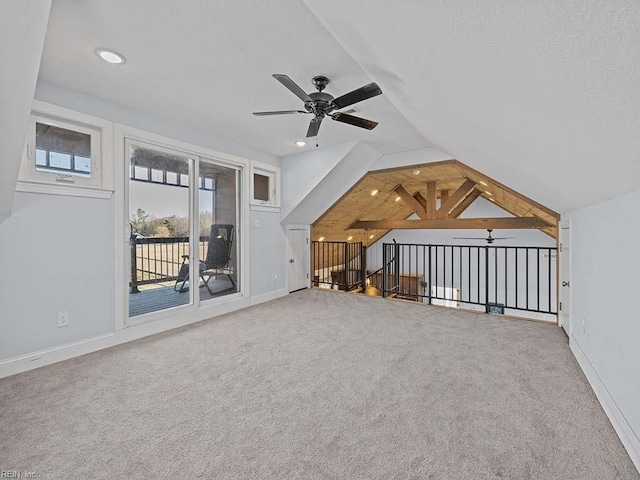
{"points": [[404, 191]]}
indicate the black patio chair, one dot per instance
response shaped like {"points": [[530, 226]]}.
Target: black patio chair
{"points": [[216, 263]]}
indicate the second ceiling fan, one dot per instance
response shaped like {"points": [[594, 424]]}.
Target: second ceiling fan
{"points": [[320, 104], [490, 239]]}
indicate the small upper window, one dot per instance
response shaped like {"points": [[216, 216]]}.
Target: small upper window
{"points": [[65, 148], [60, 150], [261, 190], [265, 185]]}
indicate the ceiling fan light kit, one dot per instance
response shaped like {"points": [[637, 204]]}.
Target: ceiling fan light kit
{"points": [[320, 104]]}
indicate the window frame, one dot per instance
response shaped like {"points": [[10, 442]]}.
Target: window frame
{"points": [[100, 182], [273, 174]]}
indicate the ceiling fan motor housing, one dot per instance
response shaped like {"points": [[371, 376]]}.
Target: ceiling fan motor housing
{"points": [[321, 105]]}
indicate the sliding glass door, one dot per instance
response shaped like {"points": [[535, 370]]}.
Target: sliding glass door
{"points": [[183, 214], [218, 223]]}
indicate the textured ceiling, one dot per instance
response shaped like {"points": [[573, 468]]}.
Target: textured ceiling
{"points": [[208, 65], [542, 95]]}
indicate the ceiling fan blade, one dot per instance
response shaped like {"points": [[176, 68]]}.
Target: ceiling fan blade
{"points": [[469, 238], [293, 87], [314, 126], [358, 95], [280, 112], [502, 238], [356, 121]]}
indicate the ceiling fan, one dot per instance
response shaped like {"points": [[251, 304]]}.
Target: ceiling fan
{"points": [[321, 104], [489, 239]]}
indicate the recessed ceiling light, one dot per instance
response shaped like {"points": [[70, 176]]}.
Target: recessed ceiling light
{"points": [[374, 192], [110, 56], [492, 199], [416, 172], [371, 236], [350, 237], [397, 199], [300, 143], [321, 239], [488, 193], [483, 183]]}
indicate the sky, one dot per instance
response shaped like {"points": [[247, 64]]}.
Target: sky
{"points": [[164, 200]]}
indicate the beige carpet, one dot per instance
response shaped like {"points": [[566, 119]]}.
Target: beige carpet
{"points": [[318, 385]]}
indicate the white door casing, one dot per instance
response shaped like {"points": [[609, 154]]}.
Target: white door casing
{"points": [[565, 276], [297, 258]]}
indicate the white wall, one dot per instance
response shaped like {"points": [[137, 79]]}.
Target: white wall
{"points": [[58, 253], [22, 30], [268, 251], [410, 157], [302, 172], [347, 171], [604, 288]]}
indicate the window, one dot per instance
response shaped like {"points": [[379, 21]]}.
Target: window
{"points": [[265, 187], [64, 153]]}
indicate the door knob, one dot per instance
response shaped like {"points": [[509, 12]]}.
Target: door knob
{"points": [[565, 284], [291, 260]]}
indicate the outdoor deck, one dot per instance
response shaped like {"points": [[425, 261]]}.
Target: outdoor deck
{"points": [[162, 297]]}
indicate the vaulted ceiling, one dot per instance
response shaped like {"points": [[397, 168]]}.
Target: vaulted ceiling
{"points": [[543, 96], [388, 195]]}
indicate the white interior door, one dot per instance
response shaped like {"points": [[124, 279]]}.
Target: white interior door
{"points": [[565, 277], [297, 259]]}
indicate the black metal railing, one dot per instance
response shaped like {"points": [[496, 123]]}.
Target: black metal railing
{"points": [[340, 264], [495, 277], [158, 259]]}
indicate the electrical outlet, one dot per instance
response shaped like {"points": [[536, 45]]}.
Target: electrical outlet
{"points": [[63, 318], [275, 276]]}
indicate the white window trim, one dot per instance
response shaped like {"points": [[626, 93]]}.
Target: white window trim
{"points": [[37, 182], [273, 172], [194, 311]]}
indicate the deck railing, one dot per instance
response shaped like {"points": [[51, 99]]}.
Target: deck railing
{"points": [[158, 259]]}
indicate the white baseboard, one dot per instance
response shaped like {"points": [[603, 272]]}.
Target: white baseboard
{"points": [[23, 363], [265, 297], [627, 436], [29, 361]]}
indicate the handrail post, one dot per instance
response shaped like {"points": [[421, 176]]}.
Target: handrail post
{"points": [[396, 268], [384, 270], [429, 274], [363, 266], [346, 265], [134, 265], [486, 279]]}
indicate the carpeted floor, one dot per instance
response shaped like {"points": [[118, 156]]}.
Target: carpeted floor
{"points": [[318, 385]]}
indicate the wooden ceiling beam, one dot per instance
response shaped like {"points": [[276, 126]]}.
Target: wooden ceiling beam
{"points": [[444, 194], [423, 201], [431, 199], [453, 199], [475, 173], [454, 223], [465, 203], [411, 202]]}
